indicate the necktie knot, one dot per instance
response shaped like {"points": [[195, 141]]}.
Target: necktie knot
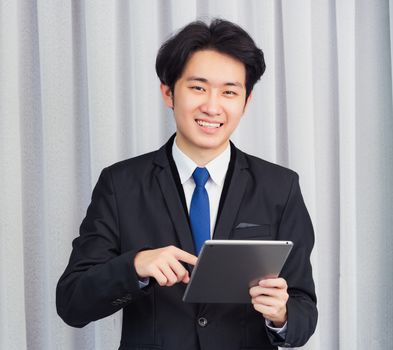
{"points": [[200, 175]]}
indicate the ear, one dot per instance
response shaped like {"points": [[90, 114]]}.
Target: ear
{"points": [[249, 98], [167, 95]]}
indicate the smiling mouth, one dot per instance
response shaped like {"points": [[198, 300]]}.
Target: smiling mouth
{"points": [[207, 124]]}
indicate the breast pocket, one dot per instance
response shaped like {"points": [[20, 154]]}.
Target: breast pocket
{"points": [[252, 232]]}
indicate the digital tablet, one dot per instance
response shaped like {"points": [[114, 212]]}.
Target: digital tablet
{"points": [[226, 269]]}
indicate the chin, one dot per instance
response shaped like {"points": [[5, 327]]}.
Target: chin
{"points": [[211, 144]]}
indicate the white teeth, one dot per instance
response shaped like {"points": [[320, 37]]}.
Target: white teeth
{"points": [[208, 125]]}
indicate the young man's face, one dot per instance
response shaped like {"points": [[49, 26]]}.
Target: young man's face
{"points": [[208, 103]]}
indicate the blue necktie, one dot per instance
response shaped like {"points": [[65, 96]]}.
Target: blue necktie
{"points": [[199, 209]]}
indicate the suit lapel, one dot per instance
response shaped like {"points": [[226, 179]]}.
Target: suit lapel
{"points": [[233, 197], [173, 201]]}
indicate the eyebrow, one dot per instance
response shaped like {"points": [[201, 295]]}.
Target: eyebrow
{"points": [[204, 80]]}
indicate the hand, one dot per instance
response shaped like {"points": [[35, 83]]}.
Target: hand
{"points": [[270, 298], [164, 265]]}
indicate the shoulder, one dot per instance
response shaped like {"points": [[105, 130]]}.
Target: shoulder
{"points": [[130, 164], [136, 169], [271, 180], [269, 171]]}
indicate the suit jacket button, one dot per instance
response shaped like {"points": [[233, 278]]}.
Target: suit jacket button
{"points": [[202, 321]]}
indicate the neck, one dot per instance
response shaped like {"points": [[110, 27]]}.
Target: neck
{"points": [[200, 156]]}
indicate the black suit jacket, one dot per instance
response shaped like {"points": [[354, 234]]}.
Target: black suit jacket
{"points": [[139, 204]]}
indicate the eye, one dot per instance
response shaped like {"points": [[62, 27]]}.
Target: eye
{"points": [[230, 93], [197, 88]]}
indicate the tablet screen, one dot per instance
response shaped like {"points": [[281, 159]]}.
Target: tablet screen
{"points": [[226, 269]]}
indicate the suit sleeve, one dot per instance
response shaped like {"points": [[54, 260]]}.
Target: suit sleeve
{"points": [[98, 280], [296, 226]]}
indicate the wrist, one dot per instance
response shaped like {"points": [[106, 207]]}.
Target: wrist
{"points": [[278, 324]]}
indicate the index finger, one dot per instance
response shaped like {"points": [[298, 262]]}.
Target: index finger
{"points": [[278, 282], [186, 257]]}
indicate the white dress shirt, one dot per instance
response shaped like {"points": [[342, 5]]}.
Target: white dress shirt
{"points": [[217, 169]]}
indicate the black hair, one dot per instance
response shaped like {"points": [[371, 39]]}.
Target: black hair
{"points": [[222, 36]]}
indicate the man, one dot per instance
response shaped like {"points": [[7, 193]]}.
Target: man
{"points": [[144, 224]]}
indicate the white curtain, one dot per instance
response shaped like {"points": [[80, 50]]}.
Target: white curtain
{"points": [[78, 91]]}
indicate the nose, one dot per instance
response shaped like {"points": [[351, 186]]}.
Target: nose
{"points": [[211, 106]]}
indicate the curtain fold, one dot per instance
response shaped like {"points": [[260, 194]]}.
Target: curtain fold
{"points": [[12, 290], [78, 91]]}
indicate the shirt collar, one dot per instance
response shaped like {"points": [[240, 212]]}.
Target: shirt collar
{"points": [[217, 167]]}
